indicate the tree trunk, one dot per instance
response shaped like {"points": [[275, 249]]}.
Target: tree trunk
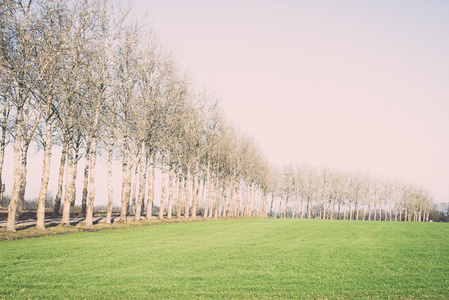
{"points": [[188, 193], [324, 205], [150, 199], [23, 178], [369, 212], [225, 202], [86, 180], [237, 199], [68, 187], [60, 178], [375, 211], [302, 207], [134, 184], [164, 188], [184, 195], [231, 199], [350, 210], [91, 198], [45, 177], [171, 186], [75, 171], [17, 173], [110, 178], [126, 188], [271, 206], [216, 200], [195, 190], [309, 206], [180, 193], [142, 172], [211, 197], [3, 147]]}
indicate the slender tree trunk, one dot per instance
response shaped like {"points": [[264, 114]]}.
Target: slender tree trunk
{"points": [[86, 180], [171, 186], [237, 199], [184, 195], [45, 177], [350, 211], [164, 188], [248, 201], [62, 164], [129, 182], [141, 195], [91, 198], [3, 148], [369, 211], [68, 187], [285, 208], [253, 205], [195, 190], [324, 205], [110, 179], [220, 201], [201, 201], [309, 206], [206, 191], [295, 206], [216, 200], [302, 207], [126, 179], [188, 193], [145, 185], [375, 212], [150, 199], [211, 197], [23, 178], [134, 184], [75, 171], [225, 202], [17, 173], [232, 199], [339, 209], [180, 194]]}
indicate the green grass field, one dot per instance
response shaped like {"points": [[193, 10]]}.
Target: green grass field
{"points": [[234, 259]]}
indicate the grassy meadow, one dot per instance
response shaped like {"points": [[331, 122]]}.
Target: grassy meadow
{"points": [[234, 259]]}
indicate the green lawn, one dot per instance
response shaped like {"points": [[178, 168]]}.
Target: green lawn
{"points": [[243, 259]]}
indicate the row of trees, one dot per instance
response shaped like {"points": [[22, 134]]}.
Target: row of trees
{"points": [[80, 77], [306, 192]]}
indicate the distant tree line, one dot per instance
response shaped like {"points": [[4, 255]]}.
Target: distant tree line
{"points": [[83, 78], [306, 192]]}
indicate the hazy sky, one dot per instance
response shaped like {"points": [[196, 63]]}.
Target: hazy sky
{"points": [[352, 85]]}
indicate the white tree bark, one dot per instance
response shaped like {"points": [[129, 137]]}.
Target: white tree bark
{"points": [[110, 179], [45, 178], [141, 195], [150, 198], [164, 188]]}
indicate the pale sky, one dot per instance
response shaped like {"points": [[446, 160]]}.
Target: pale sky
{"points": [[360, 86], [352, 85]]}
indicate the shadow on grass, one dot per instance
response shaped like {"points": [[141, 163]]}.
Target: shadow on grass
{"points": [[55, 228]]}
